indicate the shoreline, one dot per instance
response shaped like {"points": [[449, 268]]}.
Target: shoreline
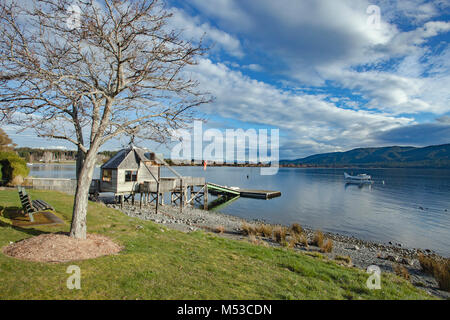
{"points": [[72, 162], [362, 253]]}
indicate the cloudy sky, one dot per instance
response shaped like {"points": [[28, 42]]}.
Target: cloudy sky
{"points": [[331, 75]]}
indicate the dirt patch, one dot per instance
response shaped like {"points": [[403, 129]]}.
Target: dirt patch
{"points": [[59, 248]]}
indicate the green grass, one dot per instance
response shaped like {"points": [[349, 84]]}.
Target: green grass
{"points": [[157, 264]]}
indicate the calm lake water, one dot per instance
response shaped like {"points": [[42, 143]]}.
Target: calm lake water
{"points": [[411, 207]]}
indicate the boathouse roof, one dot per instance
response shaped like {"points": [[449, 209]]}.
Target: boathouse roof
{"points": [[129, 158]]}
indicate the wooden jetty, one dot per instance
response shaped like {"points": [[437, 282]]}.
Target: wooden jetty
{"points": [[242, 192]]}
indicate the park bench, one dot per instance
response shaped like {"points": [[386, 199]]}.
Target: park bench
{"points": [[31, 207]]}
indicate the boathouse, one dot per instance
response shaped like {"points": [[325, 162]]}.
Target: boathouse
{"points": [[123, 173]]}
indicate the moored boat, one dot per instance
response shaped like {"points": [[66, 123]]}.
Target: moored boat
{"points": [[358, 178]]}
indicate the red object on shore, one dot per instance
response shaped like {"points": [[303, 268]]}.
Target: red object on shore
{"points": [[204, 165]]}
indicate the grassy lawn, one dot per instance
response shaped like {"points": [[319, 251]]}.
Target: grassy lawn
{"points": [[158, 263]]}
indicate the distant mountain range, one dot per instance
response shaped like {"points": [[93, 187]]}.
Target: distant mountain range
{"points": [[427, 157]]}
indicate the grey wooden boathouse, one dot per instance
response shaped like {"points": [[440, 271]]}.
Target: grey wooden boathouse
{"points": [[124, 172], [135, 171]]}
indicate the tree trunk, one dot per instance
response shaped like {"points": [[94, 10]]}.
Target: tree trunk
{"points": [[78, 227], [80, 162]]}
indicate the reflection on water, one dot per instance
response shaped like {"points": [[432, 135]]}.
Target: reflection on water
{"points": [[408, 206], [61, 171]]}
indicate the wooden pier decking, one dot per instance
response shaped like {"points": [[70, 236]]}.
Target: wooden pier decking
{"points": [[243, 193]]}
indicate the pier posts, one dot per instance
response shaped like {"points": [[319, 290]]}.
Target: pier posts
{"points": [[181, 195], [192, 194], [205, 197], [157, 190]]}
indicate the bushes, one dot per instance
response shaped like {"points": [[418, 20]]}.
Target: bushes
{"points": [[248, 229], [279, 234], [401, 271], [12, 166], [327, 246], [288, 237], [438, 268], [264, 230], [296, 228], [303, 240], [318, 239], [220, 229]]}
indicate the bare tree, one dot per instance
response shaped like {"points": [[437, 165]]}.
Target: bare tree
{"points": [[95, 72]]}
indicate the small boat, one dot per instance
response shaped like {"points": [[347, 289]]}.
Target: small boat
{"points": [[358, 178]]}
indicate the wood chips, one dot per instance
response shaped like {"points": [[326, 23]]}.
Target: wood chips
{"points": [[59, 248]]}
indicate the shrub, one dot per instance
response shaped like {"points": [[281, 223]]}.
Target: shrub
{"points": [[292, 242], [318, 239], [327, 246], [248, 229], [401, 271], [257, 241], [427, 264], [279, 234], [252, 238], [438, 268], [220, 229], [303, 239], [12, 166], [264, 230], [296, 229], [442, 275]]}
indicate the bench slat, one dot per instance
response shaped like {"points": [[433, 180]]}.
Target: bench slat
{"points": [[31, 206]]}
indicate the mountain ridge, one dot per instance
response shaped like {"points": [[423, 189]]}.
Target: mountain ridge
{"points": [[437, 156]]}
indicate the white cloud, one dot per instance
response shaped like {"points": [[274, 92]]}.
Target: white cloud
{"points": [[404, 43], [253, 67], [308, 120], [415, 11], [193, 28], [316, 41]]}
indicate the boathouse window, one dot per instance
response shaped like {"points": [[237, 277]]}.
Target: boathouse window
{"points": [[107, 175], [130, 176]]}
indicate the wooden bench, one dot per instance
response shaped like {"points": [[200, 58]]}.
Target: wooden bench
{"points": [[31, 207]]}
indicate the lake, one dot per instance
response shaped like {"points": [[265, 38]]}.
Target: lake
{"points": [[407, 206]]}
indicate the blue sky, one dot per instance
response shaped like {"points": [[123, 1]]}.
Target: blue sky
{"points": [[318, 71]]}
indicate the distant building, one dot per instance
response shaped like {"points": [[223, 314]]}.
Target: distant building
{"points": [[47, 157]]}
